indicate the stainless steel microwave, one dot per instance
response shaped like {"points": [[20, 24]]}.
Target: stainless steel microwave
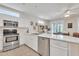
{"points": [[8, 23]]}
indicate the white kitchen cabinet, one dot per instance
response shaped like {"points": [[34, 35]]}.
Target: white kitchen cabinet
{"points": [[58, 51], [1, 42], [73, 49], [1, 22], [32, 41], [28, 40], [58, 48], [22, 36]]}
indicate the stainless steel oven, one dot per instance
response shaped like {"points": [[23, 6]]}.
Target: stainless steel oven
{"points": [[11, 39], [9, 32], [8, 23]]}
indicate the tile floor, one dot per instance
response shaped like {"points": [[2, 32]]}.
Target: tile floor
{"points": [[21, 51]]}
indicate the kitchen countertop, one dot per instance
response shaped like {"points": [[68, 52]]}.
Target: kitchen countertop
{"points": [[60, 37], [36, 34]]}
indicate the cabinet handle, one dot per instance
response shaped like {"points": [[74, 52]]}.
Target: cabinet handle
{"points": [[58, 47]]}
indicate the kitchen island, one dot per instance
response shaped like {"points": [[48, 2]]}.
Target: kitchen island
{"points": [[58, 45]]}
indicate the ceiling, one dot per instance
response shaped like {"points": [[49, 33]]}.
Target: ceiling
{"points": [[45, 11]]}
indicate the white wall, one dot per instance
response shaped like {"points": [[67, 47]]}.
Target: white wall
{"points": [[74, 20], [74, 28]]}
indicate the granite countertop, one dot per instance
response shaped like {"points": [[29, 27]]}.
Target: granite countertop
{"points": [[60, 37]]}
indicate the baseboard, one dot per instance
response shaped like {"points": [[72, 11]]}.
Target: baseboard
{"points": [[33, 50]]}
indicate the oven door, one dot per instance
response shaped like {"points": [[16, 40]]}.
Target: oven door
{"points": [[11, 39], [10, 42]]}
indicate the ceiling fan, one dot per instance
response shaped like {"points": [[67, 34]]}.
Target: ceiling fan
{"points": [[71, 11]]}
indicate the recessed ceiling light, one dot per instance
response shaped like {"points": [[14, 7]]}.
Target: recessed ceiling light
{"points": [[67, 15], [41, 22]]}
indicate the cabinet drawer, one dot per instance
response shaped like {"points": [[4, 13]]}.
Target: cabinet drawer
{"points": [[58, 43]]}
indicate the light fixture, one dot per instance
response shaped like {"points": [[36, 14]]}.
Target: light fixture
{"points": [[67, 15], [68, 12], [41, 22]]}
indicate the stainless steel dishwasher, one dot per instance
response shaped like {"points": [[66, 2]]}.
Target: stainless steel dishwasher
{"points": [[44, 46]]}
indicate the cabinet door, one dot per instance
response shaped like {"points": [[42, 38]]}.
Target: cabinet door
{"points": [[28, 40], [58, 51], [1, 42], [1, 22], [58, 48], [73, 49], [34, 42], [22, 35]]}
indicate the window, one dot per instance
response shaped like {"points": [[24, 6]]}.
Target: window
{"points": [[57, 27], [9, 12]]}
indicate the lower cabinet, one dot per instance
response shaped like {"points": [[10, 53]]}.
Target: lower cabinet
{"points": [[58, 51], [73, 49], [32, 41], [58, 48], [61, 48]]}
